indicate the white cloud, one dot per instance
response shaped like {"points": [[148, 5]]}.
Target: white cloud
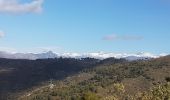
{"points": [[110, 37], [122, 37], [2, 34], [14, 6]]}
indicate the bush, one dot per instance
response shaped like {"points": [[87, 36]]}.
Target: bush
{"points": [[90, 96], [161, 92], [119, 87]]}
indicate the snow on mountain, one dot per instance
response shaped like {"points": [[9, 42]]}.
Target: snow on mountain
{"points": [[137, 56], [97, 55], [4, 54], [30, 56], [45, 55], [70, 55]]}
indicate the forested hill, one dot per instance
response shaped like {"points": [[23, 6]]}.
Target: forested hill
{"points": [[137, 80], [85, 79], [20, 75]]}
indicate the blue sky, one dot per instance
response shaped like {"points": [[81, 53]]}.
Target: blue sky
{"points": [[86, 25]]}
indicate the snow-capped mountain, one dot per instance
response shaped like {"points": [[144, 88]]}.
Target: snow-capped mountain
{"points": [[97, 55], [102, 55], [30, 56]]}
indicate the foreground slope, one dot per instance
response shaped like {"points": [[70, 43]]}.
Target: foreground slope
{"points": [[137, 80]]}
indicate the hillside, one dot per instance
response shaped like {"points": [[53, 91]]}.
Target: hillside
{"points": [[137, 80], [19, 75], [82, 79]]}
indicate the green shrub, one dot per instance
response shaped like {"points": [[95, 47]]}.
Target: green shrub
{"points": [[90, 96]]}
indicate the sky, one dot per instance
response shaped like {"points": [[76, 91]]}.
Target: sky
{"points": [[124, 26]]}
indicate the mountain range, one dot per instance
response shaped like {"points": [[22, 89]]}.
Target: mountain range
{"points": [[97, 55], [27, 76], [85, 79]]}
